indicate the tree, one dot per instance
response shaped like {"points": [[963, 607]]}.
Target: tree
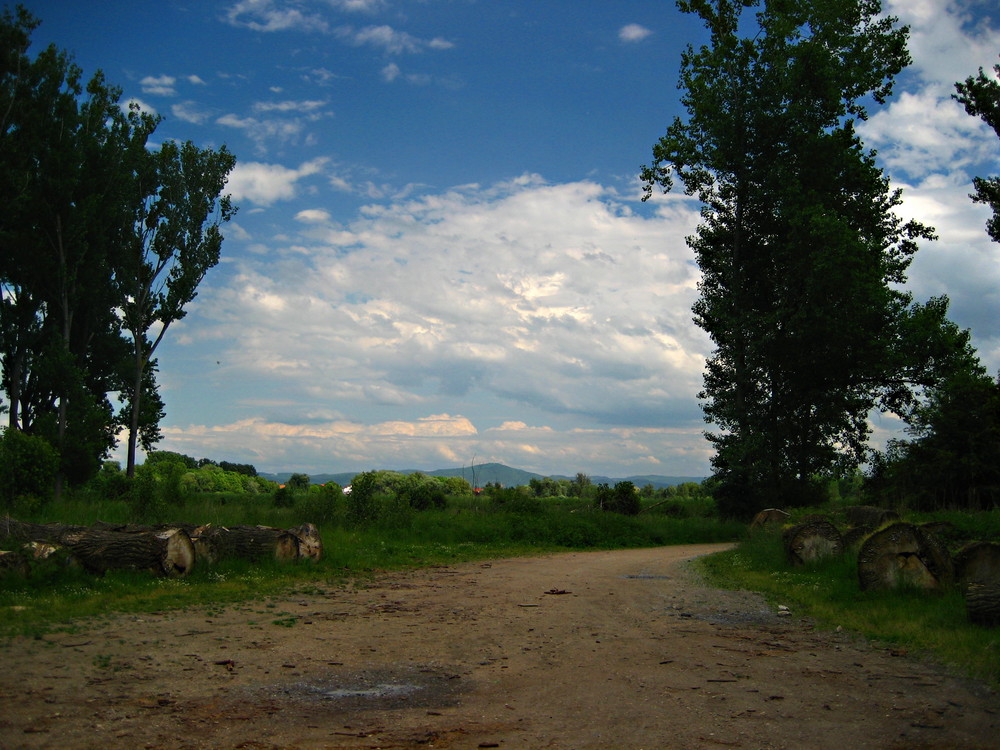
{"points": [[800, 251], [981, 97], [175, 240], [60, 148]]}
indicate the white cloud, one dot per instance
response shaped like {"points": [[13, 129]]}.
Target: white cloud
{"points": [[356, 6], [190, 111], [551, 299], [313, 216], [196, 80], [390, 40], [261, 131], [633, 32], [159, 85], [140, 104], [390, 72], [267, 16], [302, 107], [265, 184]]}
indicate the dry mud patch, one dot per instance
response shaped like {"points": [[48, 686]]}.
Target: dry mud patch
{"points": [[623, 649]]}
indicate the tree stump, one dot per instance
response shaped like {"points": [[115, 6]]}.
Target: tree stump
{"points": [[168, 552], [868, 516], [769, 517], [982, 604], [310, 543], [978, 562], [247, 543], [811, 541], [903, 554]]}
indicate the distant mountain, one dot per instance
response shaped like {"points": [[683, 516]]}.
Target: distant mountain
{"points": [[483, 474]]}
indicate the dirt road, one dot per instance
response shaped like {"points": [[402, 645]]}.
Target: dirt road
{"points": [[588, 650]]}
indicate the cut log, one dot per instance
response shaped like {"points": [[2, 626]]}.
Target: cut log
{"points": [[869, 517], [247, 543], [769, 517], [978, 562], [12, 562], [167, 552], [811, 541], [903, 555], [22, 531], [982, 604], [310, 543]]}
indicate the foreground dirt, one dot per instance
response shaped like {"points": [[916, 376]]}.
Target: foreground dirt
{"points": [[589, 650]]}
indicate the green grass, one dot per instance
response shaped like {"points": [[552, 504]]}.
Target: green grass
{"points": [[921, 622], [468, 529]]}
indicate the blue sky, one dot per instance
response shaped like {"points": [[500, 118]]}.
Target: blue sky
{"points": [[440, 255]]}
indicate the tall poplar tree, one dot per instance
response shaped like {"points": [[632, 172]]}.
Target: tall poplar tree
{"points": [[801, 254]]}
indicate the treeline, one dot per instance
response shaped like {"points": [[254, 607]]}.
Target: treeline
{"points": [[105, 236]]}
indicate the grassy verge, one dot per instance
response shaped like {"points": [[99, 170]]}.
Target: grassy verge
{"points": [[468, 529], [920, 622]]}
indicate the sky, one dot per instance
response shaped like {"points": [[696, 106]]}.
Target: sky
{"points": [[441, 257]]}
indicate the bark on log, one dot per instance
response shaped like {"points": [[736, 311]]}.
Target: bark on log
{"points": [[982, 604], [13, 562], [167, 552], [978, 562], [769, 517], [247, 543], [868, 516], [49, 533], [310, 543], [903, 554], [811, 541]]}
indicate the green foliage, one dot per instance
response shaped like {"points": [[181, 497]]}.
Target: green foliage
{"points": [[801, 254], [954, 459], [283, 497], [622, 498], [28, 466], [981, 97], [298, 482]]}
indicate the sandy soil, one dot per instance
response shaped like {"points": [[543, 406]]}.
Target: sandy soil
{"points": [[584, 650]]}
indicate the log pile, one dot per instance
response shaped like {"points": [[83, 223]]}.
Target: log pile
{"points": [[168, 550]]}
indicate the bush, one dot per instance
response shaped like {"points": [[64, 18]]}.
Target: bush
{"points": [[283, 497], [28, 466], [622, 498]]}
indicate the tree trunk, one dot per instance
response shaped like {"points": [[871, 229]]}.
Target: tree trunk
{"points": [[310, 543], [903, 554], [978, 562], [167, 552], [247, 543], [13, 562], [811, 541], [982, 604]]}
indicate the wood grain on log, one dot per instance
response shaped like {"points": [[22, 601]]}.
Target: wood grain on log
{"points": [[811, 541], [978, 562], [903, 554], [982, 604], [310, 542]]}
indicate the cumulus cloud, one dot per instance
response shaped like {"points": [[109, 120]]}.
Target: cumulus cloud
{"points": [[190, 111], [159, 85], [550, 302], [389, 40], [265, 184], [633, 32], [269, 16], [303, 107]]}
